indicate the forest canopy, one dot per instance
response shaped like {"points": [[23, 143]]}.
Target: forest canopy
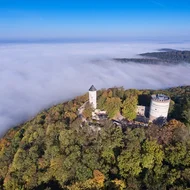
{"points": [[57, 150]]}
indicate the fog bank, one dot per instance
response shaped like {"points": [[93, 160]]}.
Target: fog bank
{"points": [[35, 76]]}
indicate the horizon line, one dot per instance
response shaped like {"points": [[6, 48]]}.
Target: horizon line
{"points": [[91, 40]]}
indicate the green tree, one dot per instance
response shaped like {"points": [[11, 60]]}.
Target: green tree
{"points": [[129, 161], [152, 154], [129, 107], [112, 106]]}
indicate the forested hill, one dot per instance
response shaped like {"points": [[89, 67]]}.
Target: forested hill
{"points": [[165, 56], [56, 150], [173, 56]]}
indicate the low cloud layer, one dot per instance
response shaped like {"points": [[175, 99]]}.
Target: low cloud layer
{"points": [[36, 76]]}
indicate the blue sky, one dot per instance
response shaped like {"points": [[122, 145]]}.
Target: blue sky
{"points": [[37, 19]]}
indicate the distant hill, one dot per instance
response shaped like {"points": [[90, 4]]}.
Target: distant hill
{"points": [[56, 150], [165, 56], [167, 49]]}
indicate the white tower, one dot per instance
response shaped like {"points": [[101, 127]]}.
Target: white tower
{"points": [[92, 96], [159, 107]]}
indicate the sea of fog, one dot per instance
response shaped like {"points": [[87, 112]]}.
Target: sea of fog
{"points": [[36, 76]]}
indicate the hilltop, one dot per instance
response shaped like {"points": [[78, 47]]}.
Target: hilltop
{"points": [[164, 56], [57, 150]]}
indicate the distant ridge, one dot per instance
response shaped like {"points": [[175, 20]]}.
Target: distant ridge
{"points": [[167, 49], [164, 56]]}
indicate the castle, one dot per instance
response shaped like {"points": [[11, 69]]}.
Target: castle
{"points": [[158, 110]]}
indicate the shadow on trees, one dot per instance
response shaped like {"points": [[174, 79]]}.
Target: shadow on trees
{"points": [[160, 121], [51, 185], [144, 99]]}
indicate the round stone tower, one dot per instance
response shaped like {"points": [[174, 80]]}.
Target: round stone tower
{"points": [[93, 97], [159, 107]]}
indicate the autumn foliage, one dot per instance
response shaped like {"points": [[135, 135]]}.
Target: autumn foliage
{"points": [[57, 150]]}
